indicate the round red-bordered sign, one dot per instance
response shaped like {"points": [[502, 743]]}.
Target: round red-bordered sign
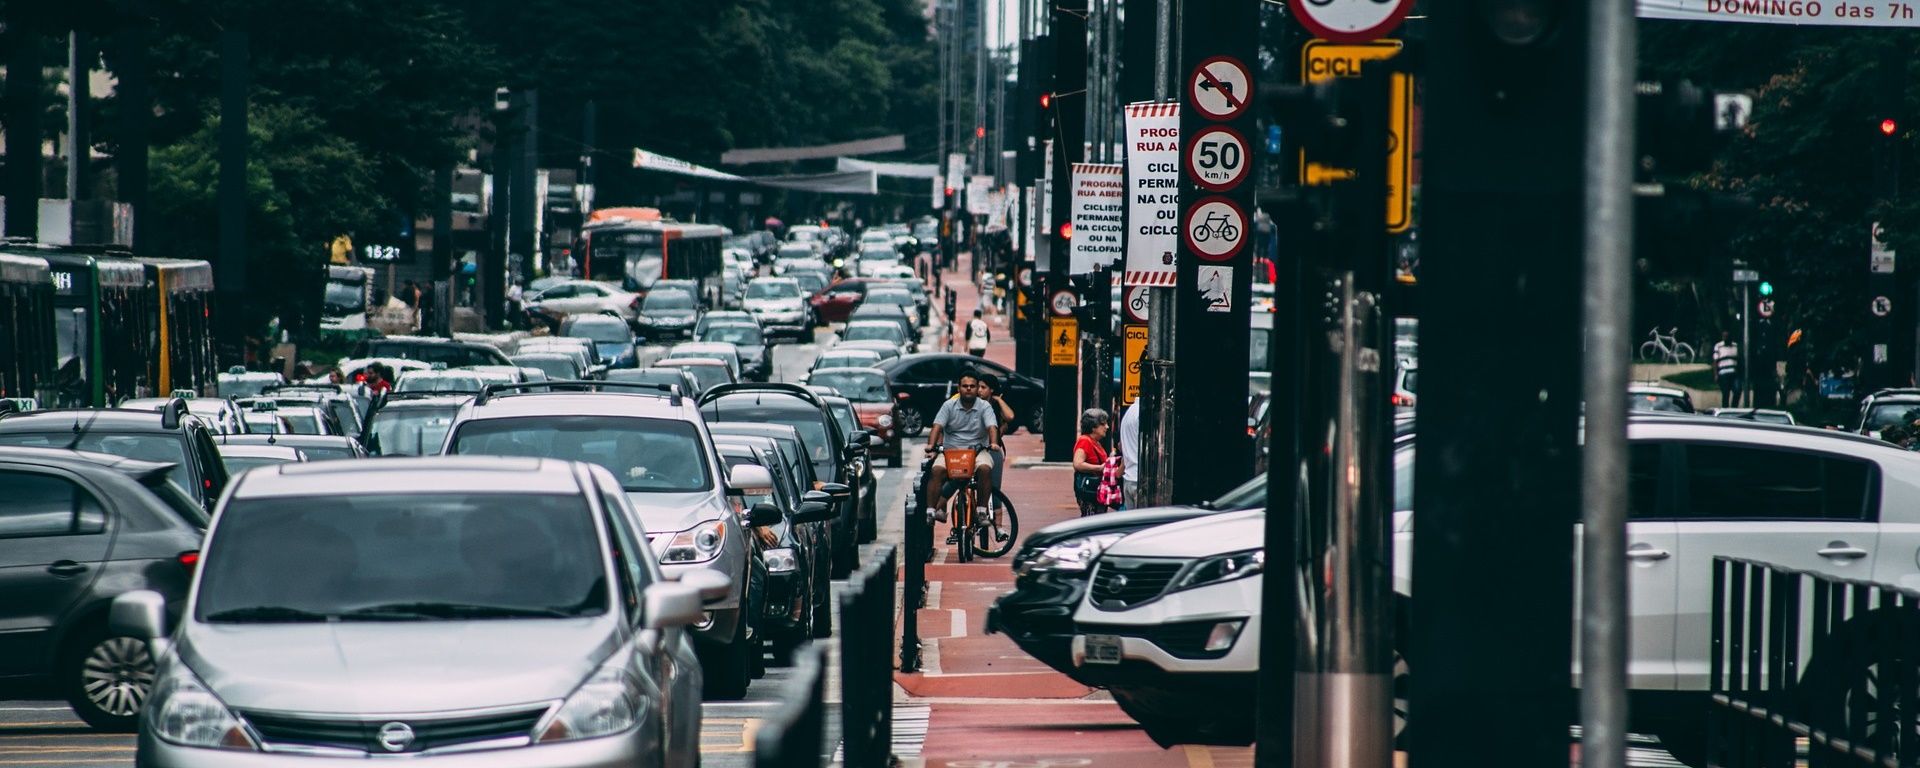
{"points": [[1351, 21], [1215, 228], [1220, 88], [1221, 165]]}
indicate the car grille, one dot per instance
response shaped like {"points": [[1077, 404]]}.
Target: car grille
{"points": [[1182, 640], [1123, 582], [434, 732]]}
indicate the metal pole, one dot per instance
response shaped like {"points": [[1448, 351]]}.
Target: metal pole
{"points": [[1156, 374], [79, 144], [1603, 460], [1746, 346]]}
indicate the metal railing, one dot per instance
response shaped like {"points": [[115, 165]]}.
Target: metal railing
{"points": [[913, 593], [1807, 665], [866, 661], [794, 737]]}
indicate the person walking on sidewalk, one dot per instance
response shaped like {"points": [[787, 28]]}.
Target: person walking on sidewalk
{"points": [[1130, 454], [1726, 368], [966, 422], [1090, 459], [978, 335]]}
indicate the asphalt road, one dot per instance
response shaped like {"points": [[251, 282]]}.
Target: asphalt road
{"points": [[40, 732]]}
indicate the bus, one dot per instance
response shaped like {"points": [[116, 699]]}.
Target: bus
{"points": [[349, 292], [183, 349], [100, 306], [27, 350], [636, 247]]}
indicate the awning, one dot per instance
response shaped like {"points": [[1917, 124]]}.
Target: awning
{"points": [[843, 183], [897, 170], [657, 162], [893, 143]]}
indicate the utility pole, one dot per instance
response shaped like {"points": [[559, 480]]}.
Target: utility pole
{"points": [[135, 97], [230, 271], [524, 235], [79, 133], [1156, 371], [1069, 25], [25, 57], [1498, 467]]}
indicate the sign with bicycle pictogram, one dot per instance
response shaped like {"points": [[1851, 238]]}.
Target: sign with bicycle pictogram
{"points": [[1220, 88], [1350, 21], [1063, 341], [1134, 349], [1217, 159], [1136, 304], [1215, 228]]}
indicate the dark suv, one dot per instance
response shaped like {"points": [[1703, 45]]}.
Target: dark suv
{"points": [[170, 436], [76, 530], [831, 451]]}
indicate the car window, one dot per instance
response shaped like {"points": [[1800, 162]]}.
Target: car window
{"points": [[875, 332], [860, 387], [410, 431], [935, 371], [645, 455], [40, 504], [1740, 482], [559, 292], [734, 334], [1886, 414], [1657, 402], [400, 557], [156, 447], [625, 547], [812, 426]]}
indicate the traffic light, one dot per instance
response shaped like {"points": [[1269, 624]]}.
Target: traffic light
{"points": [[1046, 100], [1889, 127], [1766, 289], [1066, 230]]}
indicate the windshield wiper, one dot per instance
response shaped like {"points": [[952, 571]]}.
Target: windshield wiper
{"points": [[268, 613], [443, 610]]}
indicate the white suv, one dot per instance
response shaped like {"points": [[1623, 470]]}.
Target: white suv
{"points": [[1698, 488]]}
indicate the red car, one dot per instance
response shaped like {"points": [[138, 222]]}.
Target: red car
{"points": [[872, 402], [834, 304]]}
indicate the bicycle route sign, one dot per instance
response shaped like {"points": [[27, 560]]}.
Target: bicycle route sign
{"points": [[1217, 159], [1351, 21], [1215, 228], [1136, 304]]}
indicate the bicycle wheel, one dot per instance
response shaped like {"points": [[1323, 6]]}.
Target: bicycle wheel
{"points": [[1201, 233], [1683, 352], [962, 517], [1650, 351], [986, 542]]}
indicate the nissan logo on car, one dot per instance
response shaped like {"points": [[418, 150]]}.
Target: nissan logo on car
{"points": [[395, 737]]}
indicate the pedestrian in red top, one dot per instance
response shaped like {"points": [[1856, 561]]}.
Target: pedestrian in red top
{"points": [[1090, 459], [377, 383]]}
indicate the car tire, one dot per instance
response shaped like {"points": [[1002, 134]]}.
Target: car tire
{"points": [[727, 668], [912, 422], [105, 677], [1037, 421]]}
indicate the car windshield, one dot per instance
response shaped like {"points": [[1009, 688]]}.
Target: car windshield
{"points": [[734, 334], [1248, 495], [648, 376], [327, 452], [238, 464], [762, 289], [872, 332], [1257, 353], [860, 387], [1883, 415], [554, 366], [668, 300], [601, 333], [898, 298], [648, 455], [811, 282], [402, 557], [454, 355], [879, 254], [1408, 381], [438, 384], [410, 431], [346, 297], [810, 425], [303, 422], [707, 376], [1656, 402], [844, 418], [245, 386], [157, 447]]}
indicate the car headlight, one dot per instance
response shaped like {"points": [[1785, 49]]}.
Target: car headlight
{"points": [[885, 420], [1222, 568], [779, 560], [697, 544], [1070, 556], [184, 712], [611, 701]]}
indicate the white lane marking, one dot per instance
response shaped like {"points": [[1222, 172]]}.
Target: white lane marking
{"points": [[957, 623]]}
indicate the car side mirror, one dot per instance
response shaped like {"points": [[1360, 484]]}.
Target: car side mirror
{"points": [[141, 614], [712, 585], [667, 604], [858, 438], [746, 476], [764, 514], [837, 491], [813, 512]]}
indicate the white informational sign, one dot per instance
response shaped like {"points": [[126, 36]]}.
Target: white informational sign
{"points": [[1099, 202], [939, 191], [1032, 222], [1153, 193], [1043, 224], [1881, 259], [956, 168], [1834, 13], [1216, 288], [980, 195], [997, 208]]}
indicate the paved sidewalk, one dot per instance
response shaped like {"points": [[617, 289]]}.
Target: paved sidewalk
{"points": [[990, 703]]}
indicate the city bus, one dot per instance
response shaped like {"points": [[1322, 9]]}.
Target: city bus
{"points": [[27, 349], [100, 303], [349, 292], [636, 247], [183, 348]]}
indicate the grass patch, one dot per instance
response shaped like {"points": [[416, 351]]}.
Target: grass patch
{"points": [[1695, 379]]}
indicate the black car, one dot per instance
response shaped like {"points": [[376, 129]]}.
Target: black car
{"points": [[412, 424], [756, 350], [166, 437], [429, 349], [832, 452], [316, 447], [667, 314], [921, 383], [868, 489], [1052, 565], [792, 455], [77, 529], [794, 550]]}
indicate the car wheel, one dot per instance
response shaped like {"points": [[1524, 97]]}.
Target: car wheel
{"points": [[728, 667], [912, 423], [1037, 421], [106, 678]]}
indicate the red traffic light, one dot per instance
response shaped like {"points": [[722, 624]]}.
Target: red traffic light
{"points": [[1046, 101], [949, 191], [979, 131], [1888, 126], [1066, 230]]}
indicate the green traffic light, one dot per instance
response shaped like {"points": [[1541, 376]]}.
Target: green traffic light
{"points": [[1766, 288]]}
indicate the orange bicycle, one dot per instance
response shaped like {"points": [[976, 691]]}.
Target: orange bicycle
{"points": [[978, 536]]}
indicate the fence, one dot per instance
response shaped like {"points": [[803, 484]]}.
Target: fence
{"points": [[866, 661], [1801, 658], [794, 737], [913, 593]]}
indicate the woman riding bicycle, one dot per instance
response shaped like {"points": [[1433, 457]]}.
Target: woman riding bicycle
{"points": [[966, 422]]}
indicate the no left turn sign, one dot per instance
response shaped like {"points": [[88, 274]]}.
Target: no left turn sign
{"points": [[1351, 21], [1881, 306], [1220, 88]]}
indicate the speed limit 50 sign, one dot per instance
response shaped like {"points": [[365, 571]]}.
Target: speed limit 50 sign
{"points": [[1217, 159]]}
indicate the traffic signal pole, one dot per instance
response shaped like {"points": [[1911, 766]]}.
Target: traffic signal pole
{"points": [[1069, 32]]}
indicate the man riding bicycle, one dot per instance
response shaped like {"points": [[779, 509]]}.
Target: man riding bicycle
{"points": [[966, 422]]}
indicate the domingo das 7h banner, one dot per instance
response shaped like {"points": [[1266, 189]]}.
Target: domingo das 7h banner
{"points": [[1826, 13]]}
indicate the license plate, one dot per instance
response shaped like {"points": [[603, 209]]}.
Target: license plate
{"points": [[1103, 649]]}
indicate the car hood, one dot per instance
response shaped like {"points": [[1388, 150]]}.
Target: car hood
{"points": [[1132, 520], [615, 349], [1199, 537], [387, 667], [669, 315], [670, 512], [772, 304]]}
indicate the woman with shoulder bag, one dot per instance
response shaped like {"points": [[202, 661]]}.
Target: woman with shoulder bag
{"points": [[1090, 460]]}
